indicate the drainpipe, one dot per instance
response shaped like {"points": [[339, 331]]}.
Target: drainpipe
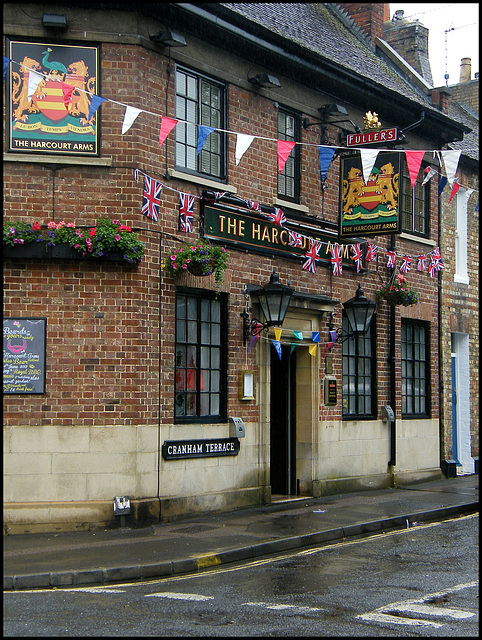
{"points": [[392, 362]]}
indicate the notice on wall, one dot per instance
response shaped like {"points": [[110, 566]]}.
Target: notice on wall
{"points": [[24, 355]]}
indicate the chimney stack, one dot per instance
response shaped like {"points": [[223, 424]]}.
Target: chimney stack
{"points": [[465, 69]]}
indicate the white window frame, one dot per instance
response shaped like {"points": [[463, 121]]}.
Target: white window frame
{"points": [[461, 259]]}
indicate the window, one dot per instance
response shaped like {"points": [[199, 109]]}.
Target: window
{"points": [[200, 387], [414, 205], [199, 100], [289, 178], [415, 369], [359, 384]]}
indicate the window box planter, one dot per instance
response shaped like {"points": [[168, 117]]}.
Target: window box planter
{"points": [[31, 250]]}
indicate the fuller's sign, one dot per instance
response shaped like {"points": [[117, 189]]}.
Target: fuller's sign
{"points": [[371, 207], [371, 137]]}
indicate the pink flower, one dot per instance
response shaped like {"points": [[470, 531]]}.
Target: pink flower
{"points": [[117, 237], [36, 226], [51, 225], [71, 224]]}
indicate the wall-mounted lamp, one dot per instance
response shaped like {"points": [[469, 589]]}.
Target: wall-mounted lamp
{"points": [[265, 80], [326, 112], [359, 313], [53, 21], [274, 299], [169, 39]]}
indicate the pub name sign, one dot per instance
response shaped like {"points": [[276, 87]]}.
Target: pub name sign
{"points": [[371, 137]]}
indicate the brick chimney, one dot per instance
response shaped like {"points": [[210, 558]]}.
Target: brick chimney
{"points": [[440, 99], [368, 17], [465, 69]]}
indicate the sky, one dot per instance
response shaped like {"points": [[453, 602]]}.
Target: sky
{"points": [[462, 40]]}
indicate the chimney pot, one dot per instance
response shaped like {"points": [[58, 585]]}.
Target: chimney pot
{"points": [[465, 69]]}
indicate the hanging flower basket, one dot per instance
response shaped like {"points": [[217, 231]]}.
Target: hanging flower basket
{"points": [[398, 292], [200, 259], [201, 269]]}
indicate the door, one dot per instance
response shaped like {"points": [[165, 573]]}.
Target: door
{"points": [[282, 422]]}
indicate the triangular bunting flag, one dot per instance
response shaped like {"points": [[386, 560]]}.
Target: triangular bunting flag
{"points": [[315, 336], [326, 156], [202, 134], [255, 338], [167, 125], [94, 105], [277, 346], [34, 79], [298, 335], [312, 349], [442, 184], [429, 173], [368, 159], [277, 333], [284, 150], [451, 162], [242, 144], [129, 117], [455, 188], [67, 90], [293, 347], [5, 65], [414, 160]]}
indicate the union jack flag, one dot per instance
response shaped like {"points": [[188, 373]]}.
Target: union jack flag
{"points": [[391, 257], [336, 260], [406, 264], [312, 256], [186, 209], [435, 262], [217, 195], [278, 217], [371, 251], [151, 198], [357, 255], [296, 239], [421, 263], [254, 206]]}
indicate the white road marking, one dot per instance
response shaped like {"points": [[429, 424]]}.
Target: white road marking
{"points": [[385, 618], [281, 607], [179, 596], [417, 606]]}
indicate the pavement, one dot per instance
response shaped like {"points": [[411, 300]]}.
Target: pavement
{"points": [[81, 558]]}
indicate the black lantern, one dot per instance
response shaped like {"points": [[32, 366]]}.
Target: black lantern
{"points": [[274, 299], [359, 313]]}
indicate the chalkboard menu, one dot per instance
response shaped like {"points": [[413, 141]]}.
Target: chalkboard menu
{"points": [[24, 355]]}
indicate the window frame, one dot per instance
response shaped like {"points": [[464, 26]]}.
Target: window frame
{"points": [[202, 349], [182, 129], [414, 196], [294, 159], [357, 358], [423, 376]]}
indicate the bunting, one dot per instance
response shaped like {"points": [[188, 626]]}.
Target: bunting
{"points": [[406, 264], [202, 134], [414, 160], [167, 125], [130, 115], [391, 258], [357, 256], [94, 105], [284, 150], [151, 198], [186, 211], [312, 256], [243, 141], [336, 260]]}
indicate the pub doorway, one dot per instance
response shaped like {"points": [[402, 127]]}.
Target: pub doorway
{"points": [[283, 422]]}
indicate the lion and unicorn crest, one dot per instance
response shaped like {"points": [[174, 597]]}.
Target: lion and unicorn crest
{"points": [[48, 96]]}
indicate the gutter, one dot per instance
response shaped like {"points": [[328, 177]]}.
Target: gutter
{"points": [[343, 80]]}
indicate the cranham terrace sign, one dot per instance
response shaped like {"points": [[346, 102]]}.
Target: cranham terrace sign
{"points": [[174, 449]]}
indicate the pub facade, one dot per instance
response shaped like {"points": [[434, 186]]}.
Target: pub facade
{"points": [[170, 172]]}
